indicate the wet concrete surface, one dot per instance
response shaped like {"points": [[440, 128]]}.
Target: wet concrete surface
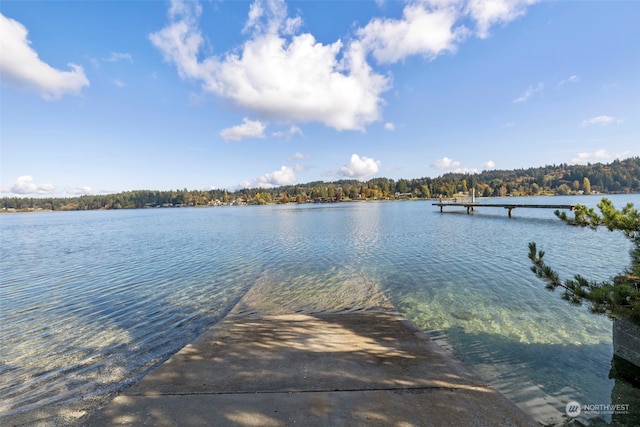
{"points": [[362, 368]]}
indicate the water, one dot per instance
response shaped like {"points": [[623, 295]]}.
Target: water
{"points": [[91, 301]]}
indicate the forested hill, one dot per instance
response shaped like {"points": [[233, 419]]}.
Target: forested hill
{"points": [[620, 176]]}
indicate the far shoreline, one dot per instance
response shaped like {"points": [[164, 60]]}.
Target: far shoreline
{"points": [[461, 198]]}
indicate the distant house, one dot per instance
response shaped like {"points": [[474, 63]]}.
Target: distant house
{"points": [[403, 195]]}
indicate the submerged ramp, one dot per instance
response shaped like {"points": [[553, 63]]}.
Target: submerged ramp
{"points": [[354, 368]]}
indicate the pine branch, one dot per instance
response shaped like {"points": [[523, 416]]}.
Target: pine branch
{"points": [[618, 299], [603, 297]]}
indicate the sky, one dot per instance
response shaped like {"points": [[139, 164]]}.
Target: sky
{"points": [[109, 96]]}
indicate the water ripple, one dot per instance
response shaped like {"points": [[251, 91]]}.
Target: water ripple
{"points": [[91, 301]]}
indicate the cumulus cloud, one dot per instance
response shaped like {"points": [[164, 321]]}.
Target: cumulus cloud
{"points": [[445, 163], [248, 129], [79, 191], [432, 27], [24, 185], [270, 16], [278, 72], [284, 176], [487, 13], [288, 134], [490, 164], [425, 29], [531, 90], [390, 126], [451, 165], [601, 121], [284, 74], [360, 167], [598, 156], [21, 67]]}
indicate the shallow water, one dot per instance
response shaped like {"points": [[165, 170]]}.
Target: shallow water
{"points": [[91, 301]]}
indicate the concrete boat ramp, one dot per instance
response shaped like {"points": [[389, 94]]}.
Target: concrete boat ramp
{"points": [[358, 368]]}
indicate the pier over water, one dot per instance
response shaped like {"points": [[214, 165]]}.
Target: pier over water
{"points": [[470, 206]]}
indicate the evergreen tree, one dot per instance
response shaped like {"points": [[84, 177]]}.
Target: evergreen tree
{"points": [[617, 298], [619, 176]]}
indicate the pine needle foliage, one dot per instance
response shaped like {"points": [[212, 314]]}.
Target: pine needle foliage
{"points": [[618, 298]]}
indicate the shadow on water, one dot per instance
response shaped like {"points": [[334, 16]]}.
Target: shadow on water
{"points": [[491, 357]]}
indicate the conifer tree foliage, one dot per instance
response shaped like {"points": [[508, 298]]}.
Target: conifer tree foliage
{"points": [[619, 298]]}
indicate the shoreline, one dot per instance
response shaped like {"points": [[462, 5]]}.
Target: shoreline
{"points": [[369, 200]]}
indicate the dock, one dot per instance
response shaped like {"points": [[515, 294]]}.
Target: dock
{"points": [[470, 206], [356, 368]]}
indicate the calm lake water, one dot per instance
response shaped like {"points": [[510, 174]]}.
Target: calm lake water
{"points": [[91, 301]]}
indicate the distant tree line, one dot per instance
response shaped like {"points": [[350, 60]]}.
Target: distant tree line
{"points": [[620, 176]]}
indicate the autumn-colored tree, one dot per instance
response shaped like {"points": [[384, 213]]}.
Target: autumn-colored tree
{"points": [[586, 185]]}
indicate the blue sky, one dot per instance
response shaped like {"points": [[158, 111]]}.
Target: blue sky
{"points": [[109, 96]]}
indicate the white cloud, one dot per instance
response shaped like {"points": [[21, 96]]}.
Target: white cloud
{"points": [[390, 126], [284, 176], [424, 29], [297, 156], [119, 83], [531, 90], [432, 27], [598, 156], [118, 56], [490, 164], [277, 73], [24, 185], [487, 13], [293, 130], [248, 129], [571, 79], [451, 165], [270, 16], [601, 121], [79, 191], [286, 75], [21, 67], [360, 167], [445, 163]]}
